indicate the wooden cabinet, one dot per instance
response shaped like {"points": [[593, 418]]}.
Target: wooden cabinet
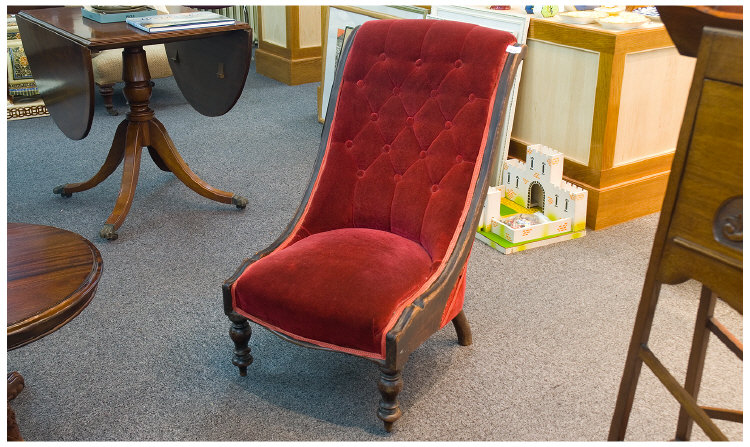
{"points": [[289, 43], [704, 239], [699, 235], [612, 102]]}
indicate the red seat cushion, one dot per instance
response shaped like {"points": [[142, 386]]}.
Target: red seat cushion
{"points": [[337, 289]]}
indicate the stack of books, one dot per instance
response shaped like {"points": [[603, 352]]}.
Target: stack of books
{"points": [[180, 21]]}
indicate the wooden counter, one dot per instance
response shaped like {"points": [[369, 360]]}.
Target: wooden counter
{"points": [[612, 102]]}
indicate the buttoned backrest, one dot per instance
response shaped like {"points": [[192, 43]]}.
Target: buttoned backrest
{"points": [[409, 127]]}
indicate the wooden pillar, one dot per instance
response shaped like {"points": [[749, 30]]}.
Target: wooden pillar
{"points": [[289, 43]]}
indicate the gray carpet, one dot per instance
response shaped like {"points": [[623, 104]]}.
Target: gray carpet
{"points": [[149, 359]]}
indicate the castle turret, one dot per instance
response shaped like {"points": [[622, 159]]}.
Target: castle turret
{"points": [[544, 162]]}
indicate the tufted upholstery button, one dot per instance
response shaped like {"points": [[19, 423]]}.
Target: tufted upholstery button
{"points": [[360, 83], [418, 62], [459, 159], [435, 188], [434, 93], [382, 56], [349, 144], [472, 97], [387, 148], [423, 154], [397, 178], [360, 173], [374, 116], [458, 63], [409, 121], [396, 90], [448, 124]]}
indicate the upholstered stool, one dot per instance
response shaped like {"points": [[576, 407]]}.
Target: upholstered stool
{"points": [[107, 66]]}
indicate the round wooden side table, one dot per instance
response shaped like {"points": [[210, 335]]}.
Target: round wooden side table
{"points": [[52, 277]]}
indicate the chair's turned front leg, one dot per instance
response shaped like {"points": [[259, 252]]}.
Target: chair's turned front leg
{"points": [[240, 334], [390, 385]]}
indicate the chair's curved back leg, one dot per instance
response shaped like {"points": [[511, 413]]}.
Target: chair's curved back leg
{"points": [[461, 323]]}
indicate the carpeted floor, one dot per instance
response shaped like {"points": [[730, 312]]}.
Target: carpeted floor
{"points": [[149, 359]]}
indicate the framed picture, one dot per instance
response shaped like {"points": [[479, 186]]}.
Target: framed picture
{"points": [[400, 11], [514, 22], [339, 22]]}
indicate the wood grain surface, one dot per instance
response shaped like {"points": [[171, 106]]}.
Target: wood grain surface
{"points": [[52, 276], [64, 75], [67, 21], [699, 235], [685, 24], [211, 72]]}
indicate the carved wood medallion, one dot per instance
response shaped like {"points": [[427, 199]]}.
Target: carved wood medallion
{"points": [[728, 223]]}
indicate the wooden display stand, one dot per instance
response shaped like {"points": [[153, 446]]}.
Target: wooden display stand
{"points": [[612, 102], [289, 43]]}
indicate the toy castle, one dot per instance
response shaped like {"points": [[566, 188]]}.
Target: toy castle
{"points": [[533, 205], [538, 183]]}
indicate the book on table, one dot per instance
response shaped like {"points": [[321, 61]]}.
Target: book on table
{"points": [[179, 21], [112, 14]]}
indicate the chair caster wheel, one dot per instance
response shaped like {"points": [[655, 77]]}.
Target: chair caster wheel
{"points": [[108, 232], [239, 201], [61, 190]]}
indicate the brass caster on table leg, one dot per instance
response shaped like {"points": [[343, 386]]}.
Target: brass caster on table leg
{"points": [[61, 190], [108, 232], [239, 201]]}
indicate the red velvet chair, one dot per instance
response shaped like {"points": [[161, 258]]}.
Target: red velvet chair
{"points": [[374, 261]]}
